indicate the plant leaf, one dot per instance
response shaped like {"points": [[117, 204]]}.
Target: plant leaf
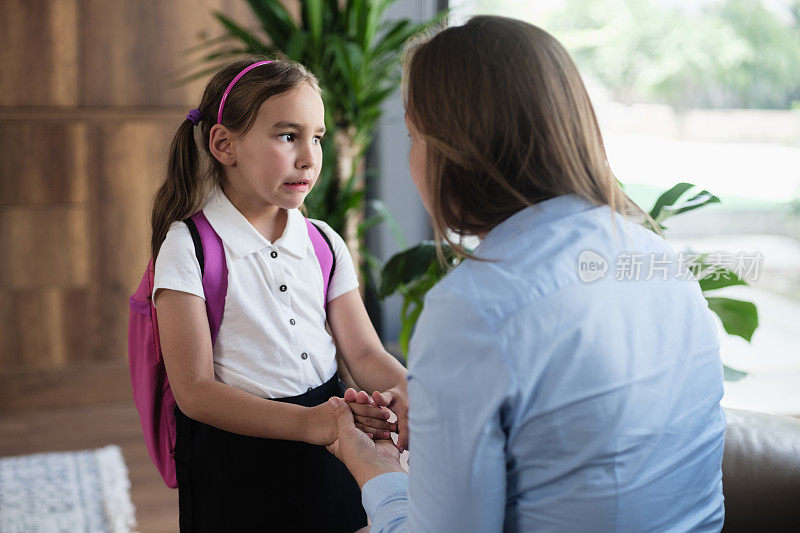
{"points": [[669, 197], [313, 15], [738, 317], [731, 374], [275, 20], [407, 329], [406, 266], [699, 200], [296, 47], [718, 277]]}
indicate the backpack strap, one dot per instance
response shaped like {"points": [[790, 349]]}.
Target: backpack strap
{"points": [[324, 252], [211, 256]]}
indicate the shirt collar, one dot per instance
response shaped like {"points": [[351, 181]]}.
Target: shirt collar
{"points": [[243, 239], [542, 213]]}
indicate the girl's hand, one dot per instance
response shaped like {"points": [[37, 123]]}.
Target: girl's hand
{"points": [[396, 399], [320, 425], [368, 417]]}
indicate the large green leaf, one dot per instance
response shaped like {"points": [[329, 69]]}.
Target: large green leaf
{"points": [[699, 200], [405, 267], [296, 47], [719, 277], [738, 317], [312, 9], [669, 197], [408, 323]]}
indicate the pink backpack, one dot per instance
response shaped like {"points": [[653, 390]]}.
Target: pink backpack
{"points": [[151, 391]]}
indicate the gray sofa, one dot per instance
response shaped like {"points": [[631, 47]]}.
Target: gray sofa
{"points": [[761, 472]]}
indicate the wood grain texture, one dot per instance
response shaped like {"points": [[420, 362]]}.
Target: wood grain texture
{"points": [[45, 246], [131, 158], [90, 383], [88, 109], [135, 51], [39, 53], [44, 329], [44, 162]]}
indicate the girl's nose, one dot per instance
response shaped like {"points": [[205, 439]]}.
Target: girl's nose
{"points": [[306, 159]]}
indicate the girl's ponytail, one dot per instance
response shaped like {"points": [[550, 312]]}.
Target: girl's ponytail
{"points": [[184, 188]]}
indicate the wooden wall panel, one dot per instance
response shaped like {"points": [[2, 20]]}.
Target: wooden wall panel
{"points": [[44, 162], [39, 53], [77, 384], [44, 328], [134, 51], [131, 159], [88, 109], [45, 246]]}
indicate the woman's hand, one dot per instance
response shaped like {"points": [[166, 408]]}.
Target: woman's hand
{"points": [[361, 455]]}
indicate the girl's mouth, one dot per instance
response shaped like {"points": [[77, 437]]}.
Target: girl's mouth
{"points": [[301, 185]]}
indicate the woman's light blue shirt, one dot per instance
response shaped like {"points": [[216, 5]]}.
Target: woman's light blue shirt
{"points": [[543, 399]]}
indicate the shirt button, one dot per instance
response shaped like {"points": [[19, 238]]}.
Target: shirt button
{"points": [[304, 355], [309, 389], [283, 288], [273, 254], [292, 322]]}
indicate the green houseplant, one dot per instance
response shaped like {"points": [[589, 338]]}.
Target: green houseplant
{"points": [[354, 51], [413, 272]]}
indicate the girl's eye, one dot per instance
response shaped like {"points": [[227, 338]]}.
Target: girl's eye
{"points": [[318, 139], [289, 136]]}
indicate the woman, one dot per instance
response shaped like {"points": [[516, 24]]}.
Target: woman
{"points": [[565, 377]]}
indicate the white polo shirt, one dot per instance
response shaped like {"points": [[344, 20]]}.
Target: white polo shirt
{"points": [[272, 342]]}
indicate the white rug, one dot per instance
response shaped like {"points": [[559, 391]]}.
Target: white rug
{"points": [[70, 492]]}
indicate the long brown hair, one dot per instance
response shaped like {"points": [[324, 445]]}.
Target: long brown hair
{"points": [[189, 177], [507, 122]]}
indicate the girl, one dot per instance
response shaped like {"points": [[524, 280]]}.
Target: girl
{"points": [[545, 395], [251, 417]]}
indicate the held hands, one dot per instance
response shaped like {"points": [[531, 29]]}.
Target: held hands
{"points": [[363, 456], [394, 399], [321, 427], [368, 416]]}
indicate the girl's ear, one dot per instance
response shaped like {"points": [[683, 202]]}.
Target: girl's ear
{"points": [[221, 145]]}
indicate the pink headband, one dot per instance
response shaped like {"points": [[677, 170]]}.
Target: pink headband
{"points": [[232, 83]]}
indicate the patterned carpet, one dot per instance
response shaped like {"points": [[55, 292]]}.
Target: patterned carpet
{"points": [[67, 492]]}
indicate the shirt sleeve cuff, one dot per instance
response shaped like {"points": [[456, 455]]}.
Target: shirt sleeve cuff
{"points": [[385, 493]]}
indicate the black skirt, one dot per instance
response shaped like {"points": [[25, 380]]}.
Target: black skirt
{"points": [[230, 482]]}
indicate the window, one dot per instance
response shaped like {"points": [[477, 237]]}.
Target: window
{"points": [[705, 92]]}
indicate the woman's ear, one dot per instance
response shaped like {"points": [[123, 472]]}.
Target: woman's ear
{"points": [[220, 143]]}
